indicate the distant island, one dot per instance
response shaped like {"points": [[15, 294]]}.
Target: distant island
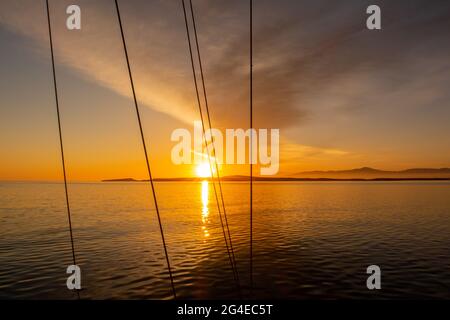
{"points": [[359, 174], [371, 173]]}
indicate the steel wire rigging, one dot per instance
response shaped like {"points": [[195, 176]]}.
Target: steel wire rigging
{"points": [[251, 145], [211, 155], [61, 146], [220, 204], [145, 151]]}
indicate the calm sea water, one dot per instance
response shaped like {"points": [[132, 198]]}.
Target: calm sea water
{"points": [[311, 240]]}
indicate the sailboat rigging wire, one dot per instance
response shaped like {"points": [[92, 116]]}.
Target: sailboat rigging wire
{"points": [[212, 140], [145, 151], [251, 146], [61, 140], [206, 144]]}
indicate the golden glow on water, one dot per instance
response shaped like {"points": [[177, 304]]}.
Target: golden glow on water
{"points": [[205, 210], [292, 219]]}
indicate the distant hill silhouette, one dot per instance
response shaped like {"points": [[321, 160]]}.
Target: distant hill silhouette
{"points": [[371, 173], [358, 174]]}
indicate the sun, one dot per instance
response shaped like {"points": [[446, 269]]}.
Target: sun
{"points": [[203, 170]]}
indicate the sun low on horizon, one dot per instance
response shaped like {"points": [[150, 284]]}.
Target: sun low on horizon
{"points": [[203, 170]]}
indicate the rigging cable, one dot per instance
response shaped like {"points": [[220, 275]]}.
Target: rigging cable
{"points": [[212, 140], [251, 146], [206, 144], [61, 139], [145, 151]]}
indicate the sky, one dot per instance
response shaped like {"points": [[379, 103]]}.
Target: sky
{"points": [[342, 96]]}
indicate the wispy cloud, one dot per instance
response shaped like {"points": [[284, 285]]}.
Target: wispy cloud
{"points": [[315, 64]]}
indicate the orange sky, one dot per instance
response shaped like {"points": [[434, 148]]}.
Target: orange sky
{"points": [[342, 96]]}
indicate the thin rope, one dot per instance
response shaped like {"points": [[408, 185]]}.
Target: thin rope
{"points": [[206, 144], [61, 139], [251, 146], [145, 151], [212, 140]]}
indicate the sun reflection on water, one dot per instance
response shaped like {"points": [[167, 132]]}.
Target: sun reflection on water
{"points": [[205, 210]]}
